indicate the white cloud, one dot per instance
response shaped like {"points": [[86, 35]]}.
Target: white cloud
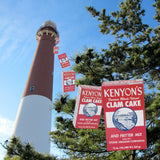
{"points": [[6, 126]]}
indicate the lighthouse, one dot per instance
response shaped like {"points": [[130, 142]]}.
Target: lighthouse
{"points": [[33, 121]]}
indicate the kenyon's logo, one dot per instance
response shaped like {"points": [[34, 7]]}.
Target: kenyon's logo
{"points": [[91, 93], [137, 91]]}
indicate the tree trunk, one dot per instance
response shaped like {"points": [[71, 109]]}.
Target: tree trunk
{"points": [[133, 154]]}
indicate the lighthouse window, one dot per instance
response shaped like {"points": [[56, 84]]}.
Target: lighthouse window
{"points": [[31, 89]]}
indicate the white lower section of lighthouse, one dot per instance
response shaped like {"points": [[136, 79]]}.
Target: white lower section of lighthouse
{"points": [[33, 122]]}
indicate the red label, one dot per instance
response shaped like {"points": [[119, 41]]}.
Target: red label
{"points": [[123, 103], [88, 107], [68, 81], [63, 60], [56, 49], [57, 40]]}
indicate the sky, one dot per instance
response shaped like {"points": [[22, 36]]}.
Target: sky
{"points": [[19, 22]]}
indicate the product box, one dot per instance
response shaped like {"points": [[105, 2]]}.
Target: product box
{"points": [[56, 49], [124, 113], [63, 59], [88, 107], [57, 40], [68, 81]]}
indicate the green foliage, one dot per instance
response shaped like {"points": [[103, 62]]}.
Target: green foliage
{"points": [[134, 54], [18, 151]]}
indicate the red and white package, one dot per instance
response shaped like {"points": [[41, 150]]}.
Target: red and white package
{"points": [[68, 81], [124, 113], [56, 49], [57, 40], [88, 107], [63, 60]]}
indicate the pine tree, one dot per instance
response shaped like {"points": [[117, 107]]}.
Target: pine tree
{"points": [[16, 150], [134, 54]]}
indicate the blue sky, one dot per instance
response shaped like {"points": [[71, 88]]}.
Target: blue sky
{"points": [[19, 22]]}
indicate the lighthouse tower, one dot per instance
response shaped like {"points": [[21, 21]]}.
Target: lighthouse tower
{"points": [[33, 121]]}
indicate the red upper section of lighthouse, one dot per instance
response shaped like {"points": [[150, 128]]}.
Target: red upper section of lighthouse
{"points": [[40, 79]]}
